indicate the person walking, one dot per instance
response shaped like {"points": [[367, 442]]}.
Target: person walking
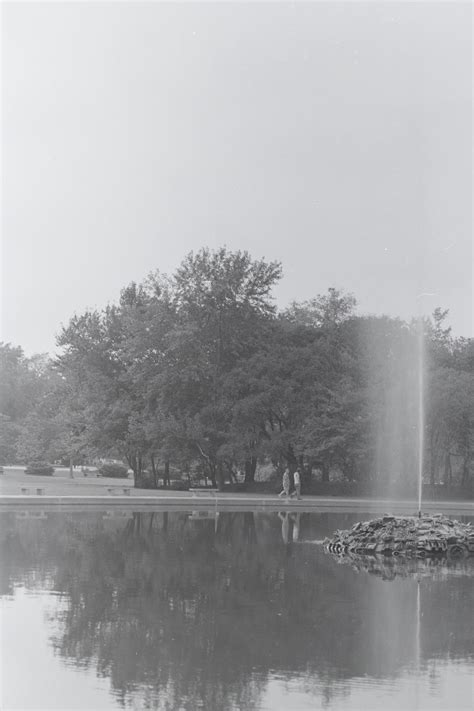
{"points": [[297, 481], [286, 484]]}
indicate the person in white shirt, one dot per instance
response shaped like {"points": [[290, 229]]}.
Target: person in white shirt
{"points": [[297, 481]]}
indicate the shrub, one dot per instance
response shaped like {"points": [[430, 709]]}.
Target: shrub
{"points": [[178, 485], [116, 471], [146, 480], [40, 468]]}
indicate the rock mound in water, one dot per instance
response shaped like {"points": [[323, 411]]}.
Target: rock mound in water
{"points": [[406, 536]]}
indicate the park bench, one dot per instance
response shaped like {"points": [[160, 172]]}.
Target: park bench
{"points": [[204, 492], [117, 489], [25, 490], [87, 472]]}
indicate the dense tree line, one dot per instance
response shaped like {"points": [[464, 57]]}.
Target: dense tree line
{"points": [[199, 374]]}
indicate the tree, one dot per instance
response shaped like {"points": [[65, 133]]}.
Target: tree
{"points": [[325, 310], [23, 384], [198, 371], [451, 423], [224, 311], [152, 368], [95, 375], [9, 432], [450, 402], [226, 297]]}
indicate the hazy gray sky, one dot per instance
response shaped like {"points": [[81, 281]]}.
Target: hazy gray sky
{"points": [[335, 137]]}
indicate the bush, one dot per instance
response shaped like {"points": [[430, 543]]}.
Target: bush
{"points": [[146, 480], [40, 469], [116, 471], [178, 485]]}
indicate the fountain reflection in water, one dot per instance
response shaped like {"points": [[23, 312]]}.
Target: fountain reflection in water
{"points": [[418, 625]]}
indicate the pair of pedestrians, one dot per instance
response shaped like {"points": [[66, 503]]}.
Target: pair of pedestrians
{"points": [[287, 484]]}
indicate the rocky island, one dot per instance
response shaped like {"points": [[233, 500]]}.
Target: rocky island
{"points": [[405, 536]]}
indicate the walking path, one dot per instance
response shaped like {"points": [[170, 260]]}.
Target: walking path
{"points": [[60, 491]]}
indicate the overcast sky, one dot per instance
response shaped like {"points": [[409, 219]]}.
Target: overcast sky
{"points": [[335, 137]]}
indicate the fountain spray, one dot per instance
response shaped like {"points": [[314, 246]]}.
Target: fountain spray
{"points": [[421, 393], [420, 411]]}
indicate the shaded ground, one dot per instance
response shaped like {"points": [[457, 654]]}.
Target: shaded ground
{"points": [[60, 484]]}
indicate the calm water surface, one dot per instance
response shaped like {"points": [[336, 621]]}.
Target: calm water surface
{"points": [[239, 611]]}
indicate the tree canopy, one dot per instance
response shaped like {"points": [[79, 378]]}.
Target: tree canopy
{"points": [[198, 373]]}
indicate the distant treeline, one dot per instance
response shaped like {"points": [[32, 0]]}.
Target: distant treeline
{"points": [[197, 375]]}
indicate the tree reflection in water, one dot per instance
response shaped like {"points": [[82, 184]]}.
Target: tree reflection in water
{"points": [[202, 611]]}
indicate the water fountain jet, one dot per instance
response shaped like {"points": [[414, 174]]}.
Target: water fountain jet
{"points": [[421, 417], [421, 397], [418, 536]]}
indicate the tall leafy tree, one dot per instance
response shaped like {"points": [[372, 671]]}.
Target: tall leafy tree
{"points": [[224, 311], [24, 382]]}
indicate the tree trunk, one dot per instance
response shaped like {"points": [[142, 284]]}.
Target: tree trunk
{"points": [[434, 455], [220, 477], [465, 470], [71, 467], [209, 463], [250, 469], [324, 472], [166, 478], [136, 464], [432, 468], [153, 469], [348, 469], [291, 459], [448, 471], [230, 471], [212, 473]]}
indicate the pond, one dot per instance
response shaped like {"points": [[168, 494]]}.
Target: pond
{"points": [[234, 610]]}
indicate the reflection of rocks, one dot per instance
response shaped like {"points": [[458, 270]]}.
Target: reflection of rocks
{"points": [[403, 537], [437, 567]]}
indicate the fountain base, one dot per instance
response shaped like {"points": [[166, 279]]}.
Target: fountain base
{"points": [[404, 536]]}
